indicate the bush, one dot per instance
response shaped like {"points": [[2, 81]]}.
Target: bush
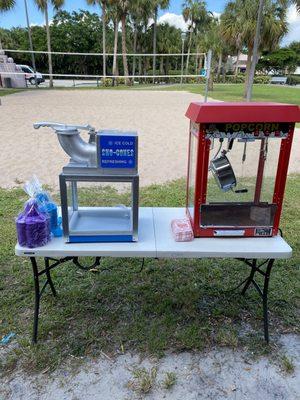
{"points": [[262, 79], [240, 78], [106, 82], [293, 80], [120, 81]]}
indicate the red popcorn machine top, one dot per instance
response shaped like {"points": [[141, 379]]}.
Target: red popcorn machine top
{"points": [[237, 167]]}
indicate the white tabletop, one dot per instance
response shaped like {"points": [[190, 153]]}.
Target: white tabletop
{"points": [[156, 240], [166, 247], [145, 247]]}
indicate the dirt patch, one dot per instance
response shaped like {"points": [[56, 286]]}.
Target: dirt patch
{"points": [[216, 374]]}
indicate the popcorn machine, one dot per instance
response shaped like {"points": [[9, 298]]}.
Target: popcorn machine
{"points": [[237, 167]]}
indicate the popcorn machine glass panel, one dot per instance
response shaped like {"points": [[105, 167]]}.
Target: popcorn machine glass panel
{"points": [[237, 175], [242, 204]]}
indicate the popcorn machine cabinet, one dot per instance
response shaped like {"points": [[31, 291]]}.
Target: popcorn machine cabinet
{"points": [[237, 167]]}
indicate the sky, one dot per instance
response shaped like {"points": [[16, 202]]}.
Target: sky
{"points": [[16, 17]]}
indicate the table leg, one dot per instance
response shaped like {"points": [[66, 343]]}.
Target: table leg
{"points": [[36, 298], [262, 292], [250, 278], [265, 299], [49, 279], [39, 291]]}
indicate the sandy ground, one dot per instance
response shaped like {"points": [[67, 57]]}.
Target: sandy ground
{"points": [[163, 132], [216, 375], [157, 116]]}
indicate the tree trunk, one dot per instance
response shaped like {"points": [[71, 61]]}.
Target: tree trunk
{"points": [[116, 34], [211, 80], [255, 50], [224, 73], [146, 65], [236, 70], [104, 38], [167, 66], [0, 52], [134, 49], [188, 53], [161, 66], [248, 66], [154, 41], [49, 46], [30, 43], [124, 50], [219, 66], [196, 61], [140, 61]]}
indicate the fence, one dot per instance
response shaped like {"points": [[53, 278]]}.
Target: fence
{"points": [[202, 62]]}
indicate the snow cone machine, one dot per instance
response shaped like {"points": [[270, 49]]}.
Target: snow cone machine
{"points": [[237, 167], [109, 157]]}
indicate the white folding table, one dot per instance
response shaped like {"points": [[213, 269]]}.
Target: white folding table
{"points": [[156, 241]]}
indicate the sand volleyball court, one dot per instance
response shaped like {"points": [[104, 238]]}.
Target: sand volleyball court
{"points": [[158, 116]]}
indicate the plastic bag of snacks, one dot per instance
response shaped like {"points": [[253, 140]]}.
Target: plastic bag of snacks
{"points": [[182, 230], [33, 226], [45, 203]]}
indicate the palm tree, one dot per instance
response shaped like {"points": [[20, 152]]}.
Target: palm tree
{"points": [[113, 15], [169, 39], [156, 4], [242, 16], [43, 6], [211, 39], [123, 8], [103, 6], [194, 12], [140, 13], [229, 24], [6, 5]]}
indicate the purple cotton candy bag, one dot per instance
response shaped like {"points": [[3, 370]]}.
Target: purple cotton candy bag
{"points": [[33, 226]]}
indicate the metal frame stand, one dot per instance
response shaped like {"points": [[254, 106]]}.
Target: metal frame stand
{"points": [[263, 292], [252, 263], [38, 292]]}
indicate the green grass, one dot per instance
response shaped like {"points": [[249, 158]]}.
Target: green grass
{"points": [[169, 380], [143, 380], [234, 92], [225, 92], [287, 364], [171, 305], [5, 92]]}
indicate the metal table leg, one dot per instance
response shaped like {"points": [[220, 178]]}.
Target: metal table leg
{"points": [[38, 291], [262, 292], [36, 298], [49, 279], [265, 299]]}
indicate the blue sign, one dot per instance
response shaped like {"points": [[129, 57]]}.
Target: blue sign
{"points": [[117, 151]]}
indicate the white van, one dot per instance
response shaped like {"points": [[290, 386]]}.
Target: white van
{"points": [[30, 75]]}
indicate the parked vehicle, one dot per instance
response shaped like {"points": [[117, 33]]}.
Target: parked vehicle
{"points": [[30, 76]]}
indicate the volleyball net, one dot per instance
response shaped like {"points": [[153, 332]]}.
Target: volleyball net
{"points": [[181, 66]]}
